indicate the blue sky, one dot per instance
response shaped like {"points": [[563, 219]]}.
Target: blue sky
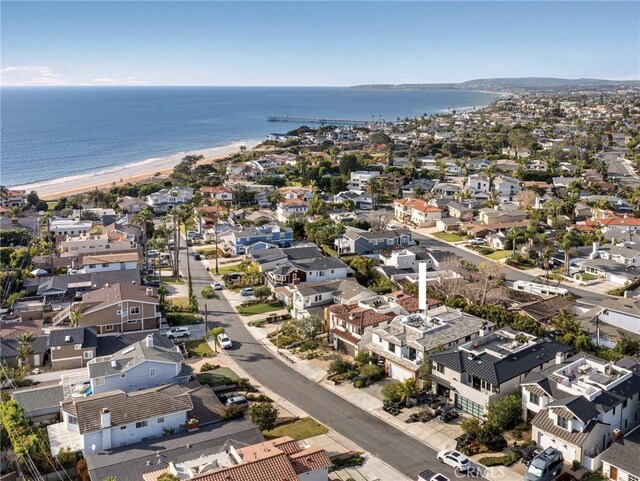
{"points": [[314, 43]]}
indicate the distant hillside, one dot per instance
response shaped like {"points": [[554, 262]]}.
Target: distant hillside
{"points": [[527, 83]]}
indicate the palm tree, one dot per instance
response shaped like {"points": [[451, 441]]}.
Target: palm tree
{"points": [[75, 314], [547, 255], [95, 197], [408, 389], [142, 217], [372, 187], [514, 235], [566, 241], [25, 346]]}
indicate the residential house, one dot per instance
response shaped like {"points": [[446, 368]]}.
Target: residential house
{"points": [[106, 262], [104, 216], [498, 240], [72, 348], [30, 224], [616, 263], [152, 361], [507, 187], [620, 460], [221, 193], [131, 205], [446, 189], [114, 419], [69, 227], [40, 404], [479, 183], [306, 299], [167, 199], [299, 193], [359, 180], [580, 404], [274, 460], [90, 244], [482, 370], [135, 461], [10, 350], [117, 308], [499, 215], [291, 208], [360, 199], [347, 322], [316, 270], [460, 211], [268, 259], [416, 211], [362, 242], [612, 320], [237, 241], [12, 198], [629, 224], [404, 342], [418, 185], [73, 285]]}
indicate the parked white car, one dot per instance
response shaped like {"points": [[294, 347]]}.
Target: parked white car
{"points": [[455, 459], [477, 241], [176, 332], [224, 341], [216, 286]]}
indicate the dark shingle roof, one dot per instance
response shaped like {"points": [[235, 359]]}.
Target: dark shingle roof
{"points": [[498, 370], [38, 399], [9, 346], [625, 452], [579, 406], [77, 335]]}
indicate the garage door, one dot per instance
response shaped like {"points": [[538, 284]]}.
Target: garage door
{"points": [[568, 451]]}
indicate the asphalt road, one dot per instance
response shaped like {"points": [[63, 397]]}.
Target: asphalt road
{"points": [[585, 296], [397, 449]]}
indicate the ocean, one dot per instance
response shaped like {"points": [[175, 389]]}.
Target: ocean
{"points": [[50, 133]]}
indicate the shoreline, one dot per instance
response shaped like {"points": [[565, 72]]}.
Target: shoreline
{"points": [[128, 173]]}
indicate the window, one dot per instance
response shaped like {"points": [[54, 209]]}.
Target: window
{"points": [[123, 312], [87, 354], [439, 368], [123, 375], [469, 406], [78, 347], [160, 420], [134, 310], [123, 427], [141, 424], [614, 410], [534, 399], [624, 404], [99, 381], [563, 422], [105, 265], [73, 420], [108, 327], [152, 372], [131, 321]]}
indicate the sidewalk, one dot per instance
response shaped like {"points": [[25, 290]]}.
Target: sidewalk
{"points": [[373, 469]]}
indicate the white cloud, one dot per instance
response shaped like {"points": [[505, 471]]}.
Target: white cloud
{"points": [[116, 81], [30, 75]]}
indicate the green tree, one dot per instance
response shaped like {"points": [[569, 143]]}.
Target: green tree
{"points": [[262, 293], [75, 314], [143, 218], [390, 391], [514, 235], [408, 389], [310, 327], [168, 477], [566, 241], [471, 427], [213, 334], [349, 163], [506, 412], [264, 415]]}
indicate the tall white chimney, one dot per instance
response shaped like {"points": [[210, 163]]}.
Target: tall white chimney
{"points": [[150, 291], [149, 340], [559, 357], [594, 250], [105, 418]]}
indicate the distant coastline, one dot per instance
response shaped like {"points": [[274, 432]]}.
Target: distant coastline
{"points": [[123, 174]]}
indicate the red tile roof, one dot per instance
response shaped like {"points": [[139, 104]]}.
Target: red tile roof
{"points": [[358, 316], [347, 336], [417, 204]]}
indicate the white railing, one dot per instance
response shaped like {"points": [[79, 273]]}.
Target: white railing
{"points": [[62, 315]]}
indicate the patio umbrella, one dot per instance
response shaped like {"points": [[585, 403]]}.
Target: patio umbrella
{"points": [[38, 272]]}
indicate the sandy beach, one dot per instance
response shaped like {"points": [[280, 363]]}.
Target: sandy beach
{"points": [[129, 173]]}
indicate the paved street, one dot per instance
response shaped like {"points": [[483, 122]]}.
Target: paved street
{"points": [[399, 450], [585, 296]]}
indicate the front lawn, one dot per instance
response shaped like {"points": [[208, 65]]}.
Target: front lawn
{"points": [[259, 308], [448, 236], [228, 268], [181, 301], [183, 318], [303, 428], [198, 347], [497, 255], [222, 376]]}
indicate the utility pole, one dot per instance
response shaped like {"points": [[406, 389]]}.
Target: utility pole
{"points": [[215, 233], [206, 319]]}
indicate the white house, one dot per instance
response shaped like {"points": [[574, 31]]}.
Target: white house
{"points": [[166, 199], [151, 362], [70, 227], [581, 404], [291, 208], [106, 262], [359, 179]]}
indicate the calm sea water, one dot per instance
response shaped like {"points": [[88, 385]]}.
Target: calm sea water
{"points": [[49, 133]]}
